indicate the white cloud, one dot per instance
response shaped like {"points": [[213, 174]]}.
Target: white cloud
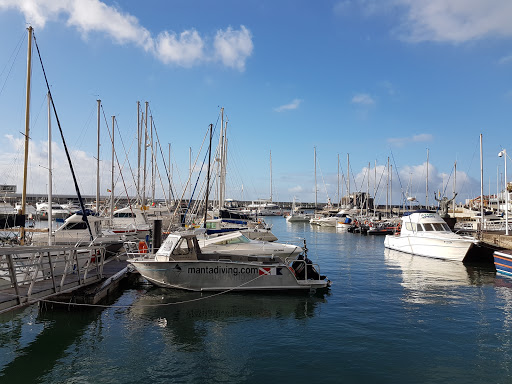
{"points": [[296, 189], [234, 47], [231, 47], [505, 60], [363, 99], [455, 21], [185, 50], [293, 105], [401, 141]]}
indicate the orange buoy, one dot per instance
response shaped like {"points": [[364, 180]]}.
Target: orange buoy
{"points": [[143, 247]]}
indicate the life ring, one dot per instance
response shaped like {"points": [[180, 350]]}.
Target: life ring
{"points": [[143, 247]]}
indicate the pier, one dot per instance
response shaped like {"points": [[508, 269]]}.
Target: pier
{"points": [[57, 273]]}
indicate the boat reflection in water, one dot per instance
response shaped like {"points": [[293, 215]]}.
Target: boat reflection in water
{"points": [[429, 280], [186, 314]]}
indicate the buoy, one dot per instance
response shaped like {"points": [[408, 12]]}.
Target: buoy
{"points": [[143, 247]]}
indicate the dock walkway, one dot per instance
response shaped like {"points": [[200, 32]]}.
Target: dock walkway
{"points": [[31, 274]]}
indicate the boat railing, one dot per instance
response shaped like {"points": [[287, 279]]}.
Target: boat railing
{"points": [[307, 263]]}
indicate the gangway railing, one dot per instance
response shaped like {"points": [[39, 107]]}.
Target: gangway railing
{"points": [[29, 273]]}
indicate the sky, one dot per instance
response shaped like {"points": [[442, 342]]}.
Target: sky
{"points": [[408, 80]]}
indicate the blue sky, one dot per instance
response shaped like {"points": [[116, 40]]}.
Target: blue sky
{"points": [[374, 79]]}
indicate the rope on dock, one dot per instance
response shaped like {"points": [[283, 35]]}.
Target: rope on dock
{"points": [[136, 306]]}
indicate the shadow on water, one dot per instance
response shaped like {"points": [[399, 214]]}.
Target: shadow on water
{"points": [[182, 311], [58, 330]]}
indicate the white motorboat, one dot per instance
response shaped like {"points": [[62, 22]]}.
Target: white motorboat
{"points": [[57, 211], [425, 233], [297, 215], [265, 208], [180, 263], [343, 221], [237, 243]]}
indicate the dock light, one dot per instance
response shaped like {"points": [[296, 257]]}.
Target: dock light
{"points": [[503, 153]]}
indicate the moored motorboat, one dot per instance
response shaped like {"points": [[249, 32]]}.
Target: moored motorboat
{"points": [[180, 263], [425, 233]]}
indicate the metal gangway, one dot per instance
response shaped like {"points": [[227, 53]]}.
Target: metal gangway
{"points": [[29, 273]]}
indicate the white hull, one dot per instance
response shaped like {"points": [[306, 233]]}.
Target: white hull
{"points": [[298, 219], [343, 227], [440, 247]]}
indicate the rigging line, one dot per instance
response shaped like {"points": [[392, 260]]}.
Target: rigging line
{"points": [[118, 167], [127, 153], [141, 305], [82, 206], [17, 49], [398, 175], [167, 171], [448, 181], [188, 181]]}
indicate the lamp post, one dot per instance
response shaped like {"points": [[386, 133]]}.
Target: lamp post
{"points": [[503, 154]]}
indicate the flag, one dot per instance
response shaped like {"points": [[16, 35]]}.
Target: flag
{"points": [[269, 271], [108, 190]]}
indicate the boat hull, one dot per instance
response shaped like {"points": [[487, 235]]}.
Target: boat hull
{"points": [[220, 276], [439, 248], [503, 262]]}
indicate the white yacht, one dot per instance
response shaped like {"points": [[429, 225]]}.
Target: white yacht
{"points": [[425, 233], [57, 211], [265, 208], [297, 214]]}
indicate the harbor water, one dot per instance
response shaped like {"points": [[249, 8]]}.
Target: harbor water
{"points": [[388, 318]]}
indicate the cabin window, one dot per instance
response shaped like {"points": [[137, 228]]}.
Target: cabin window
{"points": [[80, 225], [409, 226], [238, 240], [438, 227], [124, 215], [182, 248], [446, 227], [428, 227]]}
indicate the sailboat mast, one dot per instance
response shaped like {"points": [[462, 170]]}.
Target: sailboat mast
{"points": [[145, 117], [139, 142], [339, 196], [368, 190], [50, 178], [426, 186], [387, 190], [316, 189], [348, 179], [270, 175], [112, 187], [98, 163], [27, 131], [454, 186], [482, 184]]}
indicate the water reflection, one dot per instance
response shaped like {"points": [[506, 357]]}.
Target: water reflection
{"points": [[429, 280], [184, 319]]}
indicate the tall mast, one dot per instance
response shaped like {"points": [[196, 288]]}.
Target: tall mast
{"points": [[112, 187], [221, 158], [387, 189], [482, 184], [426, 186], [153, 165], [454, 185], [50, 178], [145, 117], [208, 178], [339, 196], [316, 189], [348, 178], [98, 162], [27, 131], [170, 175], [139, 142], [368, 190], [270, 175]]}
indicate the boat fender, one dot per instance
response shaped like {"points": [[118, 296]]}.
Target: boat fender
{"points": [[143, 247]]}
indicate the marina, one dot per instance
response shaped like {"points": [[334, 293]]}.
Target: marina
{"points": [[158, 245], [388, 317]]}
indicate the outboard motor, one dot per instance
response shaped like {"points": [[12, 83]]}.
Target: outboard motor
{"points": [[301, 265]]}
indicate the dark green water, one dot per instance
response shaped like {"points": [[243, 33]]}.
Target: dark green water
{"points": [[388, 318]]}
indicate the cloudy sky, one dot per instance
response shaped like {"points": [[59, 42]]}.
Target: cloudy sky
{"points": [[373, 79]]}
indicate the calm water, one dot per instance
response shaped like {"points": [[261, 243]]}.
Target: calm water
{"points": [[388, 318]]}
